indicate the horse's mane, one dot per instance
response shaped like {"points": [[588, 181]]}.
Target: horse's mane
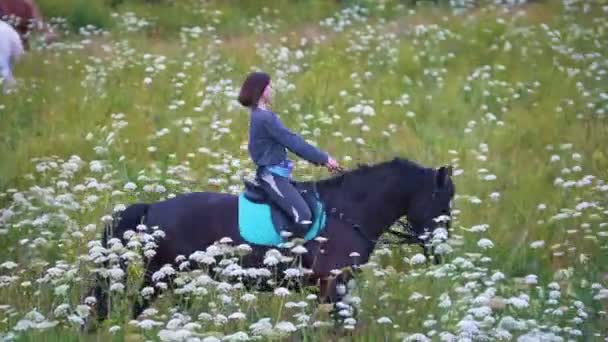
{"points": [[369, 175]]}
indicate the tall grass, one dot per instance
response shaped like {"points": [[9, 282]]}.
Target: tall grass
{"points": [[487, 91]]}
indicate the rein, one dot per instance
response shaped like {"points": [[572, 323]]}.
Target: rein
{"points": [[408, 235]]}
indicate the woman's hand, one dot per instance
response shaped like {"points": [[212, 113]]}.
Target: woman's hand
{"points": [[333, 166]]}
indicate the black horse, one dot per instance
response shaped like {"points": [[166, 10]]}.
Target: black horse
{"points": [[361, 205]]}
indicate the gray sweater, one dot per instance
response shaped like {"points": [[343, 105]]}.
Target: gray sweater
{"points": [[268, 139]]}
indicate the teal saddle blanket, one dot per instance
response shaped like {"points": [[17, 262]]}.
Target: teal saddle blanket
{"points": [[257, 227]]}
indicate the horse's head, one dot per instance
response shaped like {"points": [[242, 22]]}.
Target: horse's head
{"points": [[430, 213], [376, 197]]}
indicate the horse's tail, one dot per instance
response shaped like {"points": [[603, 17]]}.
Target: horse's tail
{"points": [[123, 221]]}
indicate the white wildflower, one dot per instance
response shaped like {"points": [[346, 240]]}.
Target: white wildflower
{"points": [[281, 292], [537, 244], [299, 249], [384, 320], [418, 259], [285, 327], [485, 243]]}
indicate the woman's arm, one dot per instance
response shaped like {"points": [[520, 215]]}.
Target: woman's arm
{"points": [[294, 142]]}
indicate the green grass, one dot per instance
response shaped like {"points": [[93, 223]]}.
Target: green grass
{"points": [[67, 102]]}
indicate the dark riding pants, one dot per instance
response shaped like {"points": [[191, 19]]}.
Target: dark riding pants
{"points": [[287, 197]]}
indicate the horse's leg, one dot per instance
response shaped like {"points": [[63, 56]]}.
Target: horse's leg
{"points": [[142, 302], [429, 253], [333, 290], [326, 290], [99, 292]]}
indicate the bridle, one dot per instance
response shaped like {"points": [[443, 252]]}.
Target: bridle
{"points": [[408, 235]]}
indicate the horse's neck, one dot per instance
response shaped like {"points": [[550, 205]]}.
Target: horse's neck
{"points": [[378, 209], [377, 213]]}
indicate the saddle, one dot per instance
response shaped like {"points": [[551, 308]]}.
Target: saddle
{"points": [[281, 220]]}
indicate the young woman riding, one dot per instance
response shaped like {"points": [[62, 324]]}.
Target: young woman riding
{"points": [[268, 141]]}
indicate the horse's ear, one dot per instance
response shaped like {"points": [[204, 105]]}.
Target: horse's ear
{"points": [[443, 174]]}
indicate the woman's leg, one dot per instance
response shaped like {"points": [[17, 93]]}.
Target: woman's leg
{"points": [[287, 197]]}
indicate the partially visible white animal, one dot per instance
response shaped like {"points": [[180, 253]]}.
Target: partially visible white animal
{"points": [[11, 49]]}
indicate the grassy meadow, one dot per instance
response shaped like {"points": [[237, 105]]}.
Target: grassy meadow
{"points": [[137, 102]]}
